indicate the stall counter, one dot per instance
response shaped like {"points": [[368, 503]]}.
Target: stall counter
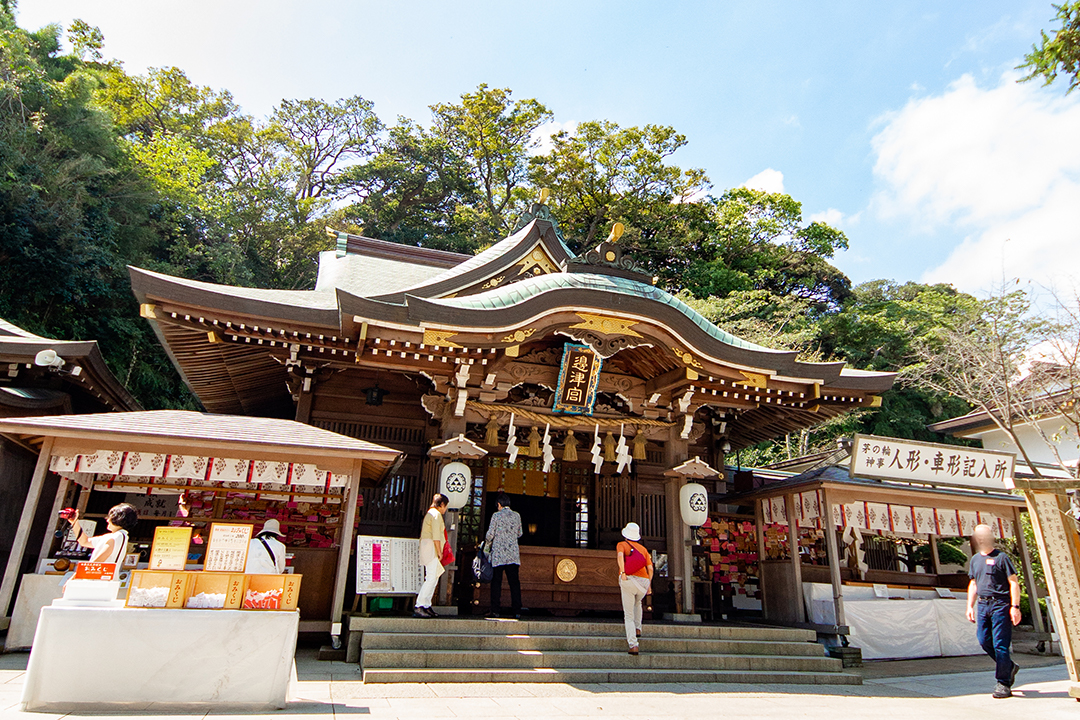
{"points": [[121, 659]]}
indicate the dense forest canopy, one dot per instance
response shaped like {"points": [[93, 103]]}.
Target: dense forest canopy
{"points": [[100, 168]]}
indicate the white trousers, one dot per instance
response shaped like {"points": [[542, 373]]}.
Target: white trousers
{"points": [[634, 589], [432, 570]]}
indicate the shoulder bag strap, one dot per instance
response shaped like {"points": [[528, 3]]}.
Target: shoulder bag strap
{"points": [[268, 550]]}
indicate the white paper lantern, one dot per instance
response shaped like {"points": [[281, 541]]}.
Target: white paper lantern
{"points": [[694, 504], [455, 481]]}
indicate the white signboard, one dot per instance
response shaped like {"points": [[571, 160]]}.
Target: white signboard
{"points": [[919, 462], [227, 548], [387, 565]]}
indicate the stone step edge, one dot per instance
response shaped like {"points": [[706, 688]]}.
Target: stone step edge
{"points": [[545, 628], [384, 641], [607, 653], [608, 675], [647, 638]]}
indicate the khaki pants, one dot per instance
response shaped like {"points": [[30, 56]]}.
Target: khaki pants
{"points": [[433, 569], [634, 588]]}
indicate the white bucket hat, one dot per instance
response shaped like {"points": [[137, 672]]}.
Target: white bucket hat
{"points": [[632, 532], [273, 527]]}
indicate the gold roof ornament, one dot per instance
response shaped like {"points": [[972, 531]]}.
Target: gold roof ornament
{"points": [[617, 231], [545, 193]]}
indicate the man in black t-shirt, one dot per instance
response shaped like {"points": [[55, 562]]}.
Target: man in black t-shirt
{"points": [[994, 605]]}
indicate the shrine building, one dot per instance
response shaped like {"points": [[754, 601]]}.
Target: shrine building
{"points": [[595, 394]]}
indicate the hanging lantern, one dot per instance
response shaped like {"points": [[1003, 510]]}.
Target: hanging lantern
{"points": [[694, 504], [455, 479]]}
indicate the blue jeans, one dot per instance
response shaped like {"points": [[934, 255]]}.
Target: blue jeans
{"points": [[993, 628]]}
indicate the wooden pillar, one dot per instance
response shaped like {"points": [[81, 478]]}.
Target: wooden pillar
{"points": [[759, 523], [348, 537], [680, 554], [58, 505], [22, 533], [833, 550], [796, 559], [935, 559], [1029, 577]]}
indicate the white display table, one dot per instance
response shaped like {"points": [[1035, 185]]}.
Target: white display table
{"points": [[912, 624], [128, 659]]}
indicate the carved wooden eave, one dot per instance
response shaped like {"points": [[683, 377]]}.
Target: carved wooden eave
{"points": [[459, 447], [693, 469]]}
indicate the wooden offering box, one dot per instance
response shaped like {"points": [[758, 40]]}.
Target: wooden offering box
{"points": [[157, 589], [216, 591], [271, 592]]}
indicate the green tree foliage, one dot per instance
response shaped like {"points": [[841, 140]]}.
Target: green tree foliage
{"points": [[1059, 54], [494, 136]]}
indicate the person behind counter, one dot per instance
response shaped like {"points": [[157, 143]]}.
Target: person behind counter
{"points": [[266, 553], [432, 539], [110, 547]]}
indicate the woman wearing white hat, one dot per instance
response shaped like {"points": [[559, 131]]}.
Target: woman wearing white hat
{"points": [[266, 553], [635, 581]]}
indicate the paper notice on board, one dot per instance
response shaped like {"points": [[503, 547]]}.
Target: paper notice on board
{"points": [[387, 564], [881, 591], [226, 550], [944, 593], [170, 548]]}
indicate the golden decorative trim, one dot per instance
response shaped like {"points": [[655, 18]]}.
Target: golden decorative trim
{"points": [[606, 325], [519, 336], [440, 338], [493, 282], [566, 570], [758, 380], [686, 357], [538, 263]]}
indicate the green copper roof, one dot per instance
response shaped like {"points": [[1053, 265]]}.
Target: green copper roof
{"points": [[519, 292]]}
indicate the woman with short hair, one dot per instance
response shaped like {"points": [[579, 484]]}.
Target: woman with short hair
{"points": [[110, 547], [432, 539]]}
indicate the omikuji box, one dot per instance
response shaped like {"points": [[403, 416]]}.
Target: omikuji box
{"points": [[158, 589]]}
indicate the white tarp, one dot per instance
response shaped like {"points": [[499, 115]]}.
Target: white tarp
{"points": [[916, 624]]}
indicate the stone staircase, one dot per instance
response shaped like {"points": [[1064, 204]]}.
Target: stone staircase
{"points": [[457, 650]]}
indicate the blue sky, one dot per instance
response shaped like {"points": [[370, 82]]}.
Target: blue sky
{"points": [[899, 122]]}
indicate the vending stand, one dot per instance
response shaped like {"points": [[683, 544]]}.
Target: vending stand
{"points": [[203, 635]]}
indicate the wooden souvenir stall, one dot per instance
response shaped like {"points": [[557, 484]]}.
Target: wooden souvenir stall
{"points": [[164, 454], [855, 537]]}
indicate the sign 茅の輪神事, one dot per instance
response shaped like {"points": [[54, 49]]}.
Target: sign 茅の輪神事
{"points": [[579, 375], [227, 548], [170, 548], [932, 463]]}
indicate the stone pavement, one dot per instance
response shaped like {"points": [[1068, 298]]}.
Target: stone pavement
{"points": [[333, 689]]}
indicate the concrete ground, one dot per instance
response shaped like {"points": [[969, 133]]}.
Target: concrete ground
{"points": [[959, 688]]}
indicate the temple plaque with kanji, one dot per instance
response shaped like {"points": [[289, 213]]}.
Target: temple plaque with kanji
{"points": [[578, 378]]}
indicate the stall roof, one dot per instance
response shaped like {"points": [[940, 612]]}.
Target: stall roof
{"points": [[182, 431], [838, 477]]}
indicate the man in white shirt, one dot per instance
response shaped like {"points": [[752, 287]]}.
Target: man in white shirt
{"points": [[266, 553]]}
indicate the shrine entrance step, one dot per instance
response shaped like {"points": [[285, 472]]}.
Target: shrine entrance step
{"points": [[472, 650]]}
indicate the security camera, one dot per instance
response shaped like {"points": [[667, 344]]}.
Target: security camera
{"points": [[49, 359]]}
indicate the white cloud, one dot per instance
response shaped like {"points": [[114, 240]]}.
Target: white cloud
{"points": [[832, 217], [542, 135], [1001, 165], [769, 180]]}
